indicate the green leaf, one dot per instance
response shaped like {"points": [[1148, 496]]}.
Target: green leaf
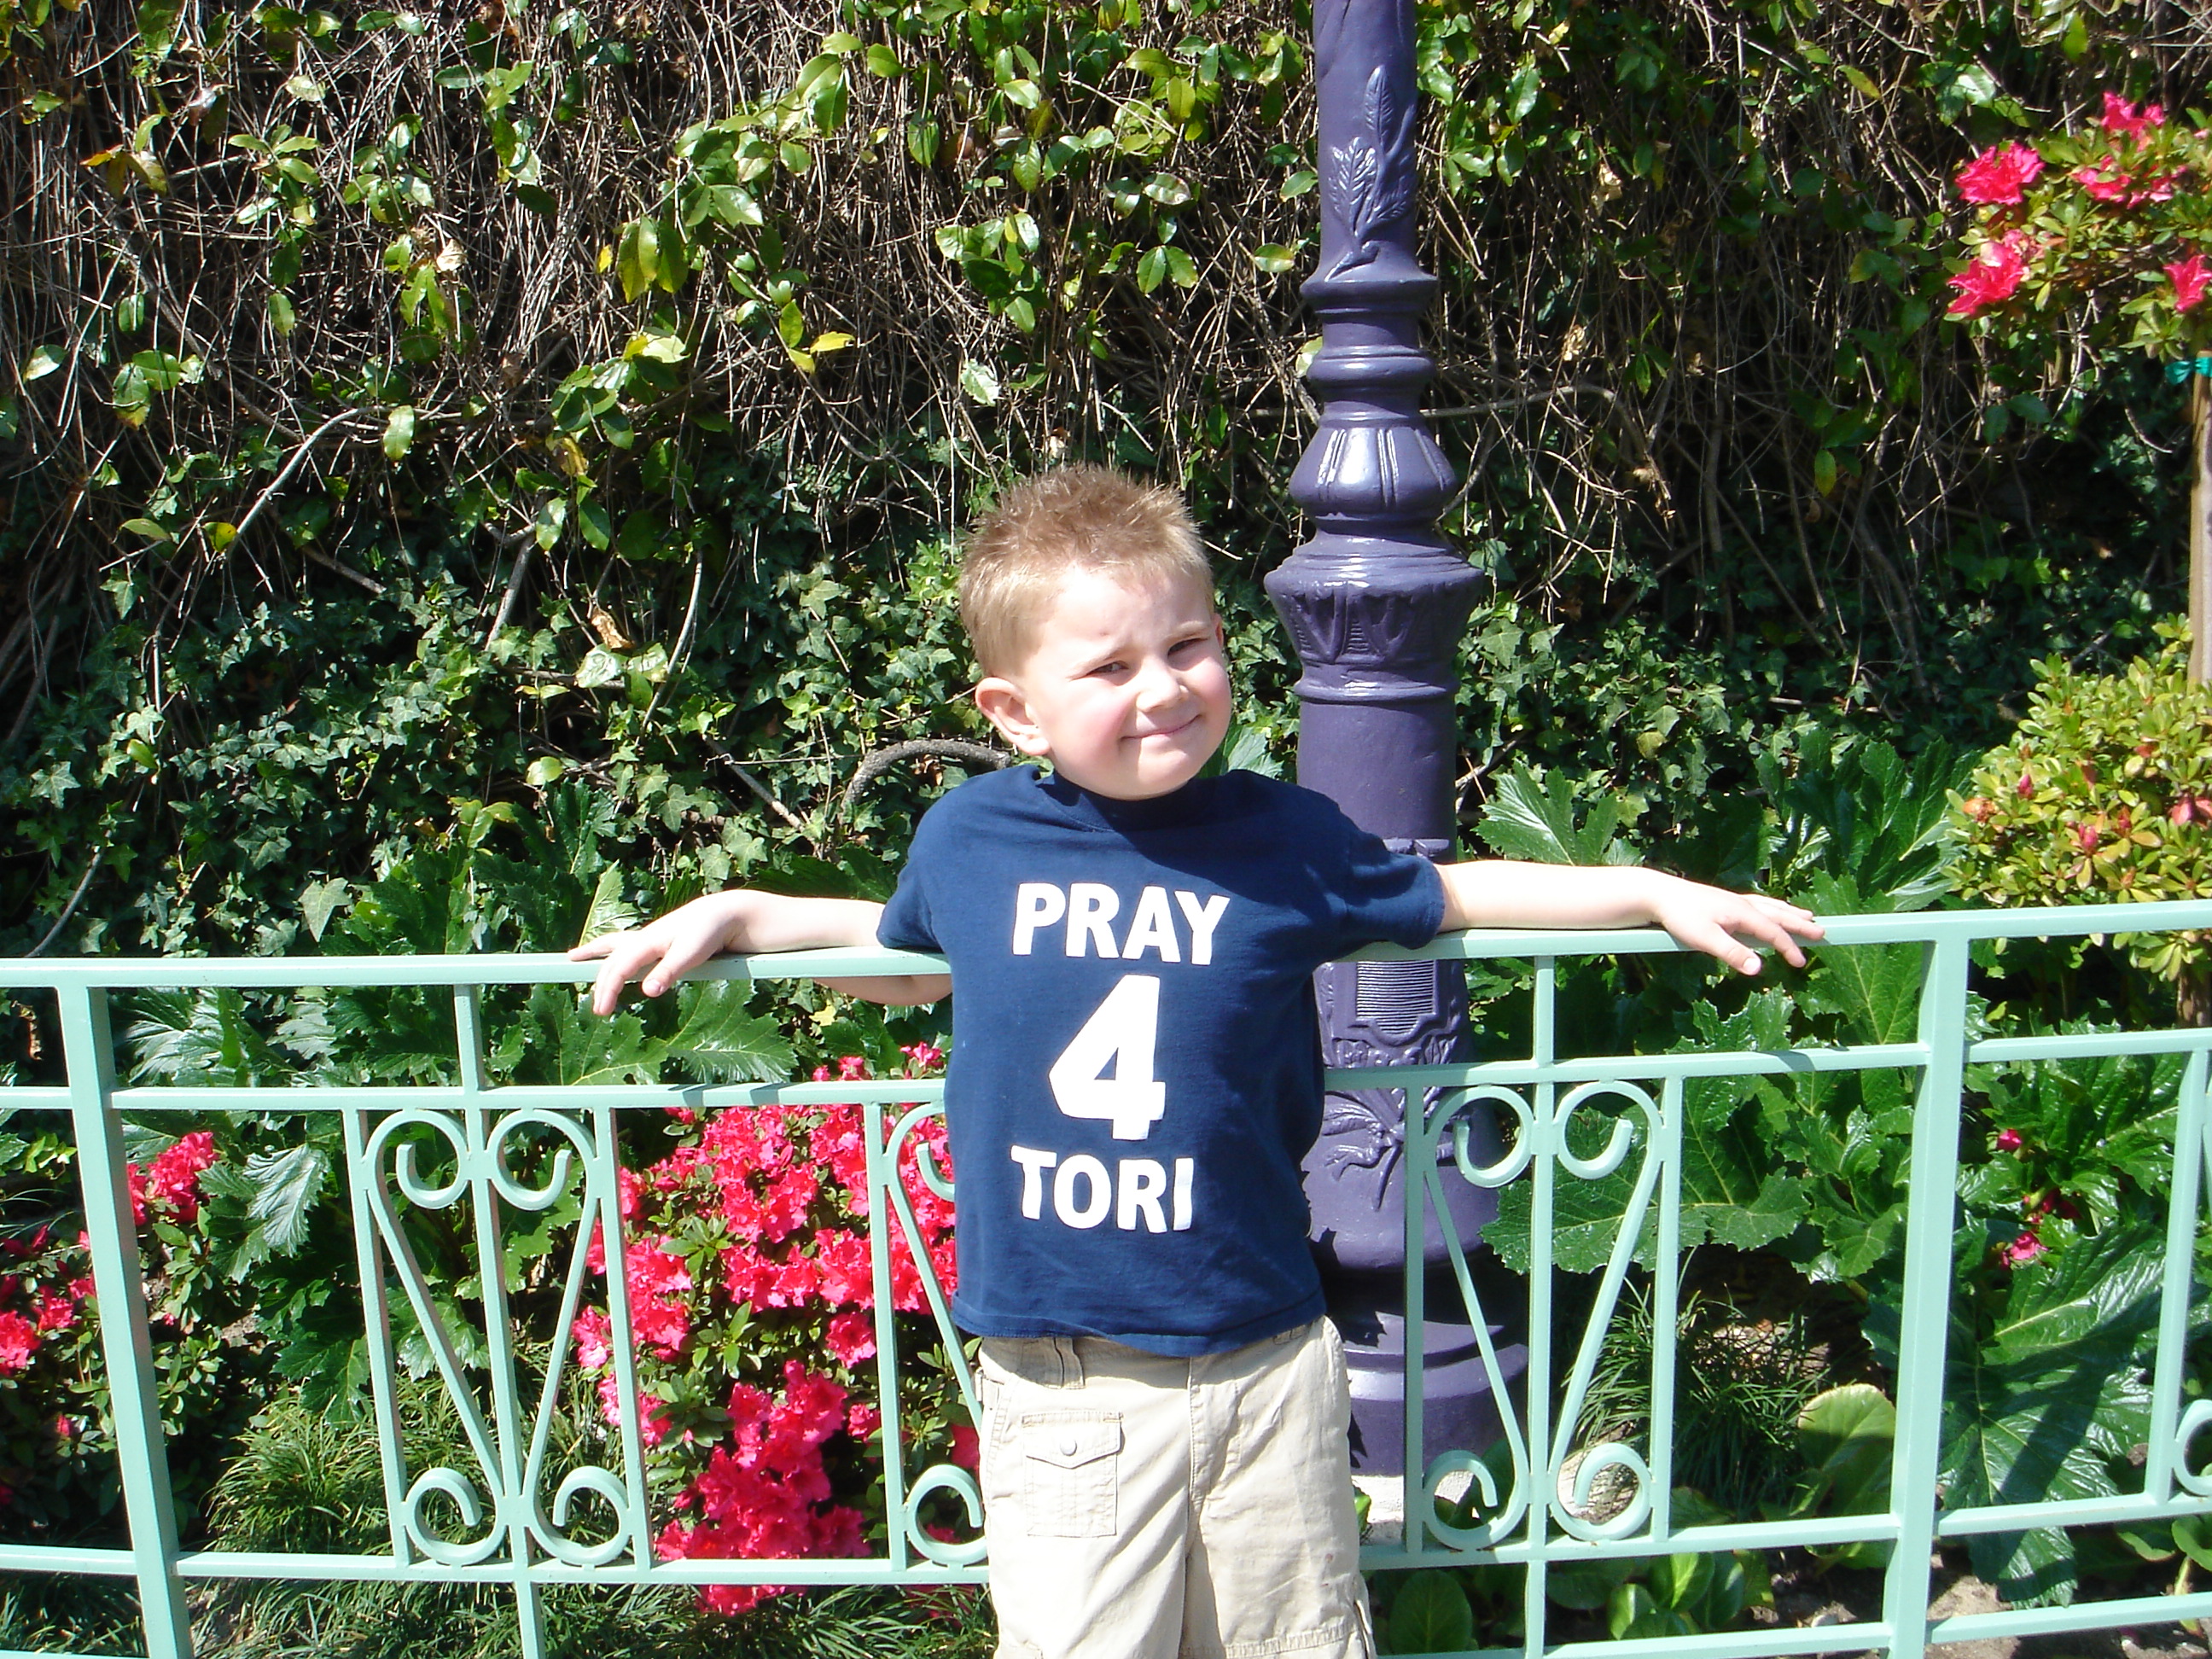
{"points": [[1533, 815], [596, 524], [286, 1186], [1151, 269], [2040, 1410], [883, 62], [638, 258], [399, 433], [1430, 1615], [978, 381], [1847, 1436], [545, 769], [320, 901], [719, 1041], [1522, 90], [43, 361], [282, 317], [146, 527]]}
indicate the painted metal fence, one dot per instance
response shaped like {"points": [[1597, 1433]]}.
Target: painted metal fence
{"points": [[1534, 1512]]}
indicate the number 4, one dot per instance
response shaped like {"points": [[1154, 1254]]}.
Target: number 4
{"points": [[1120, 1032]]}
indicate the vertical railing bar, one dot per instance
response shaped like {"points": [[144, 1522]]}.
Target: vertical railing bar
{"points": [[1418, 1153], [134, 1403], [512, 1513], [1544, 1470], [376, 1332], [605, 1211], [1666, 1295], [2176, 1283], [883, 1175], [1922, 1341]]}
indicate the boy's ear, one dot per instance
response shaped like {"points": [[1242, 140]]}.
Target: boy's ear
{"points": [[1005, 708]]}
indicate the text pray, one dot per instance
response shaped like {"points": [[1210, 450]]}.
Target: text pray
{"points": [[1089, 909]]}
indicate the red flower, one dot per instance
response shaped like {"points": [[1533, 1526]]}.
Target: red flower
{"points": [[56, 1311], [2121, 118], [2191, 277], [1999, 174], [2025, 786], [2009, 1140], [851, 1338], [2086, 837], [966, 1450], [19, 1341], [1992, 278], [2105, 181], [2025, 1247]]}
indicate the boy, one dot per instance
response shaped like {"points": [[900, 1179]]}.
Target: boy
{"points": [[1135, 1075]]}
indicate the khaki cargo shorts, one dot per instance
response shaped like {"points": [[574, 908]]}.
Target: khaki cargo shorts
{"points": [[1140, 1507]]}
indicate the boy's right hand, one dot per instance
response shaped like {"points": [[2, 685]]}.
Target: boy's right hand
{"points": [[665, 948]]}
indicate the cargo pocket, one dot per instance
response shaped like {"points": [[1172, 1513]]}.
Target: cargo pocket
{"points": [[1068, 1461]]}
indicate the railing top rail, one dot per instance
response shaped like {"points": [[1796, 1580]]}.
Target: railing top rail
{"points": [[246, 973]]}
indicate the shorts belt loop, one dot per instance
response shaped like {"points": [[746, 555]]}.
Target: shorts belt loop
{"points": [[1071, 1362]]}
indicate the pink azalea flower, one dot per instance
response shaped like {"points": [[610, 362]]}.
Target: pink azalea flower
{"points": [[851, 1338], [2024, 1249], [2106, 183], [967, 1449], [19, 1341], [1993, 277], [2191, 277], [1999, 174], [2009, 1140], [2122, 118]]}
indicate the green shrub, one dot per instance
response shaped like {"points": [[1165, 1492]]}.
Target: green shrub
{"points": [[2104, 793]]}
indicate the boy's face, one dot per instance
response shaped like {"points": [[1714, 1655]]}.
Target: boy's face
{"points": [[1125, 690]]}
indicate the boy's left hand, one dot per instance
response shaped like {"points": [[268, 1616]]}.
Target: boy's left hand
{"points": [[1720, 923]]}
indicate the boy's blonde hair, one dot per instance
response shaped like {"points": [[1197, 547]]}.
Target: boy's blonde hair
{"points": [[1073, 518]]}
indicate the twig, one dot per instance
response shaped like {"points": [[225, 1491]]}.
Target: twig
{"points": [[347, 571], [284, 474], [874, 764], [746, 776], [515, 579], [68, 909]]}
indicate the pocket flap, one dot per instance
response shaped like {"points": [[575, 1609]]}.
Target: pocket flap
{"points": [[1069, 1442]]}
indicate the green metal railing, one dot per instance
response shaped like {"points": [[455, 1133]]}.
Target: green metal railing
{"points": [[524, 1538]]}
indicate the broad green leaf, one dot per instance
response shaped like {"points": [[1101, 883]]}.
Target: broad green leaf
{"points": [[720, 1042], [2039, 1410], [1533, 815], [43, 361], [399, 433], [1846, 1436], [286, 1186], [637, 259], [1430, 1615], [320, 901], [1273, 258]]}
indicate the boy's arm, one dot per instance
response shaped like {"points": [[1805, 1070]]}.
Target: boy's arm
{"points": [[746, 923], [1509, 893]]}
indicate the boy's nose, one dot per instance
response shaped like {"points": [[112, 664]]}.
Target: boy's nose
{"points": [[1159, 686]]}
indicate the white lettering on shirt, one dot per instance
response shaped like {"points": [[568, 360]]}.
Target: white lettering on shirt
{"points": [[1132, 1193], [1204, 918], [1036, 904], [1139, 1184], [1093, 1209], [1153, 928], [1091, 906], [1033, 1164], [1088, 910]]}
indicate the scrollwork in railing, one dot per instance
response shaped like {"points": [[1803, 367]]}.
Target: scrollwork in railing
{"points": [[1572, 1512], [938, 1477], [504, 1496]]}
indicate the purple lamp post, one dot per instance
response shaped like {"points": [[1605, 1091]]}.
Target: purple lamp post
{"points": [[1376, 604]]}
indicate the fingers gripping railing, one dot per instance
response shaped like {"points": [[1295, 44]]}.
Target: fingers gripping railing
{"points": [[447, 1150]]}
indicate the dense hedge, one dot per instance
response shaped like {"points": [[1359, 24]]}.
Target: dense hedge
{"points": [[400, 406]]}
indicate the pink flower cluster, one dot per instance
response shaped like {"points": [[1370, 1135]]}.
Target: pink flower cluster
{"points": [[1993, 277], [39, 1302], [2000, 175], [768, 1495], [173, 1183], [788, 1191]]}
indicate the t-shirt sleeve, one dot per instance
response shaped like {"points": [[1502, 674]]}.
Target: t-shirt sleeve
{"points": [[1380, 895], [906, 924]]}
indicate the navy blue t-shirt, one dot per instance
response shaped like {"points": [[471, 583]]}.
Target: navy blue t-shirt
{"points": [[1136, 1067]]}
